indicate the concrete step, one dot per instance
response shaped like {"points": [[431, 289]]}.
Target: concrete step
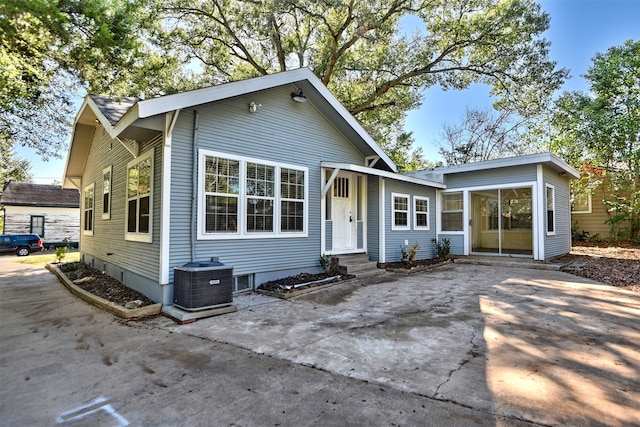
{"points": [[358, 265], [508, 262], [353, 259]]}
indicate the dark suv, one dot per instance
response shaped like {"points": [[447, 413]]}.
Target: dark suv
{"points": [[21, 244]]}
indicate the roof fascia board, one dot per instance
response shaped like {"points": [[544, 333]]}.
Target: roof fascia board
{"points": [[381, 173], [529, 159], [155, 106]]}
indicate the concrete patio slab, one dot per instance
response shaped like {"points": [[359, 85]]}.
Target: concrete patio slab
{"points": [[534, 345]]}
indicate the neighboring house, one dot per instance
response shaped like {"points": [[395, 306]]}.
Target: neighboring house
{"points": [[590, 215], [50, 211], [247, 173]]}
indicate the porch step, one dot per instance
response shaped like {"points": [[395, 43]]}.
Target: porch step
{"points": [[508, 262], [358, 265]]}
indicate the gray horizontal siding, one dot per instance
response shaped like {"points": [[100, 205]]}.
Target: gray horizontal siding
{"points": [[560, 243], [513, 174], [280, 131], [142, 259], [395, 239], [456, 241], [373, 221]]}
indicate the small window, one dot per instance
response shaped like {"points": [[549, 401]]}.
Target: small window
{"points": [[551, 209], [106, 193], [420, 213], [242, 283], [139, 203], [37, 225], [581, 202], [87, 210], [291, 200], [452, 208], [400, 211]]}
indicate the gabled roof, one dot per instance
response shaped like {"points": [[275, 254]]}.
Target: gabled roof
{"points": [[547, 159], [121, 117], [113, 108], [24, 194]]}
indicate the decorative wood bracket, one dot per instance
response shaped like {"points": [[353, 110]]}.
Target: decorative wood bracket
{"points": [[332, 178], [131, 145], [370, 161]]}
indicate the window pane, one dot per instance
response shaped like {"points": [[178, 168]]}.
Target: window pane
{"points": [[292, 216], [143, 225], [451, 221], [221, 214], [260, 180], [400, 218], [105, 203], [259, 215], [452, 201], [422, 205], [133, 214], [421, 220], [144, 179], [400, 203], [132, 182]]}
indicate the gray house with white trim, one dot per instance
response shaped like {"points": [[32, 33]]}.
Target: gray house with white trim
{"points": [[248, 174]]}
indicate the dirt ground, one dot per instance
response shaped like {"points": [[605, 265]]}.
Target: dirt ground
{"points": [[613, 264]]}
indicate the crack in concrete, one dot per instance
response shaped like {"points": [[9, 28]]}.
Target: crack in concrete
{"points": [[472, 353]]}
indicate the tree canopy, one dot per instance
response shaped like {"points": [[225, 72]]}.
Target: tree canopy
{"points": [[361, 52], [359, 49], [601, 130]]}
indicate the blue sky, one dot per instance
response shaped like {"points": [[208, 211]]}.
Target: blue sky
{"points": [[579, 29]]}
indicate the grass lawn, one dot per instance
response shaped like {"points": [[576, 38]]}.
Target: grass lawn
{"points": [[48, 258]]}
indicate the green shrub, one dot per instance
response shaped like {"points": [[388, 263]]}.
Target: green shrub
{"points": [[61, 252], [442, 248], [328, 264]]}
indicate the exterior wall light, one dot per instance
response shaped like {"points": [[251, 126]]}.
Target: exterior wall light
{"points": [[298, 96]]}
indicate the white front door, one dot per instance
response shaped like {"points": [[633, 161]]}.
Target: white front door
{"points": [[343, 213]]}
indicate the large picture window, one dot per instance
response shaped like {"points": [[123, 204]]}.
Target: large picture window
{"points": [[139, 198], [452, 208], [88, 209], [246, 198]]}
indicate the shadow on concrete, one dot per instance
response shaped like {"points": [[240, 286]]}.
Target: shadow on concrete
{"points": [[563, 352]]}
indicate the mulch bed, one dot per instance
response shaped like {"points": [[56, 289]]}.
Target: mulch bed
{"points": [[102, 284], [415, 266], [302, 281]]}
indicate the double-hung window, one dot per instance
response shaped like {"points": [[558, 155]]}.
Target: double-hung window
{"points": [[452, 208], [106, 193], [139, 198], [87, 209], [420, 213], [551, 209], [400, 211], [246, 198]]}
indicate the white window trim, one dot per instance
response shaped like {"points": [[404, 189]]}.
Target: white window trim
{"points": [[440, 211], [393, 212], [86, 232], [107, 214], [242, 232], [415, 213], [553, 208], [128, 235], [589, 207]]}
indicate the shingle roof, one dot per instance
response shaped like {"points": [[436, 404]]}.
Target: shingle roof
{"points": [[113, 108], [24, 194]]}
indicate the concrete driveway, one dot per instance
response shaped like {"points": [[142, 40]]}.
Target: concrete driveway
{"points": [[533, 345]]}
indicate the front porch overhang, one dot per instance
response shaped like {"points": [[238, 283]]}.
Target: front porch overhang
{"points": [[336, 167]]}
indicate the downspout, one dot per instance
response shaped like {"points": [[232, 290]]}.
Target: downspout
{"points": [[194, 183]]}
